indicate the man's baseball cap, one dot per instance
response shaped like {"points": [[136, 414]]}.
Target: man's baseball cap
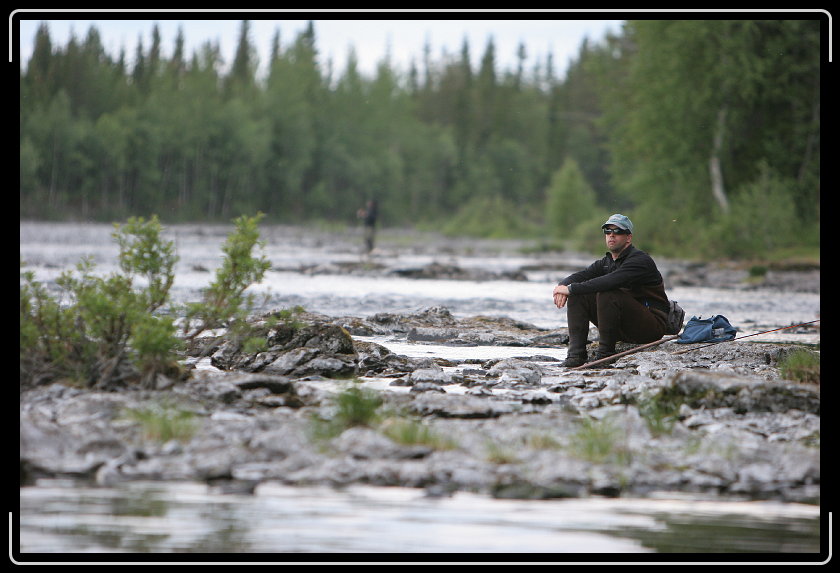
{"points": [[620, 221]]}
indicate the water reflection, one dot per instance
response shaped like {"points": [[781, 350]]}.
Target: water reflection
{"points": [[60, 516]]}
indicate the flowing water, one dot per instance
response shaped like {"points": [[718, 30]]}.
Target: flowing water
{"points": [[61, 517], [152, 517]]}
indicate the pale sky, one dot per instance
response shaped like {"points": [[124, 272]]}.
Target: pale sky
{"points": [[559, 33]]}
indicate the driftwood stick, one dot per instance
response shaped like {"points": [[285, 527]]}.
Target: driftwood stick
{"points": [[626, 352]]}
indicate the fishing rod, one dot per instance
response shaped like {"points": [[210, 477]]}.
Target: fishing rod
{"points": [[613, 357], [745, 336]]}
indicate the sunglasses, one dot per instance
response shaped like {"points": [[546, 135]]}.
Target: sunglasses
{"points": [[616, 231]]}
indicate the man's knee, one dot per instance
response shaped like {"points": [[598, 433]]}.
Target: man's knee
{"points": [[610, 301], [583, 299], [609, 296]]}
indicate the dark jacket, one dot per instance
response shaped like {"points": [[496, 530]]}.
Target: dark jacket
{"points": [[370, 214], [633, 271]]}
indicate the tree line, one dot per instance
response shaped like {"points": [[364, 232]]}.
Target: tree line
{"points": [[708, 127]]}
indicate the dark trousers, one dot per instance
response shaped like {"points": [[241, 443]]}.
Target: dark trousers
{"points": [[618, 316], [370, 235]]}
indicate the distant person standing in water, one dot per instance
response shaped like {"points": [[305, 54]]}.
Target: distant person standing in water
{"points": [[368, 216]]}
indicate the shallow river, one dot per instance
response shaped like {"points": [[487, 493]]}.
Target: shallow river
{"points": [[152, 517], [61, 517]]}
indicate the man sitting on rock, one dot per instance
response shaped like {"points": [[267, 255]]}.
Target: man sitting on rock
{"points": [[623, 294]]}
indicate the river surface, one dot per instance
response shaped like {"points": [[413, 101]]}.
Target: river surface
{"points": [[61, 517], [153, 517], [306, 270]]}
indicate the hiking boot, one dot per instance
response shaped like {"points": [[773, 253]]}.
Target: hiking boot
{"points": [[574, 360], [600, 355]]}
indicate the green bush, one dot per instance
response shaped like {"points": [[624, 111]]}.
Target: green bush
{"points": [[225, 302], [570, 201], [105, 332], [660, 414], [600, 441], [353, 406], [101, 331], [489, 217], [143, 253], [357, 407], [408, 431], [801, 366], [162, 422], [762, 220]]}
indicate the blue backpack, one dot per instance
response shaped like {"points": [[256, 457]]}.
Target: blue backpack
{"points": [[714, 329]]}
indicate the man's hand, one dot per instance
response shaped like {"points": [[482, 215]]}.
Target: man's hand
{"points": [[561, 295]]}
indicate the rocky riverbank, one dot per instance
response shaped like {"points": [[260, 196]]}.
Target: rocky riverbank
{"points": [[717, 421]]}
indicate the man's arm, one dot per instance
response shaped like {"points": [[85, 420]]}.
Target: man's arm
{"points": [[594, 270], [561, 291], [634, 271]]}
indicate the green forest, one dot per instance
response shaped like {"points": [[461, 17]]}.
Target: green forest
{"points": [[705, 132]]}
